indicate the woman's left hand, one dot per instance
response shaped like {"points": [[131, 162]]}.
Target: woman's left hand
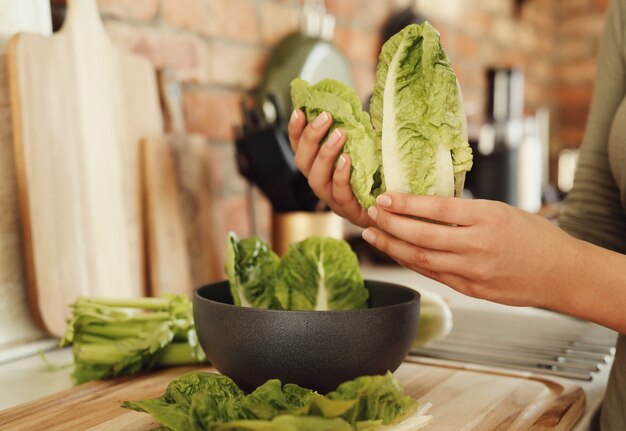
{"points": [[482, 248]]}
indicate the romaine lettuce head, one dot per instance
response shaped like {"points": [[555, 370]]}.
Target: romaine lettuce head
{"points": [[343, 104], [417, 114], [252, 267], [321, 273]]}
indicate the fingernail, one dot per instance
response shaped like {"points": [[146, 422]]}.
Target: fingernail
{"points": [[333, 138], [321, 120], [294, 117], [372, 212], [341, 163], [369, 236], [384, 200]]}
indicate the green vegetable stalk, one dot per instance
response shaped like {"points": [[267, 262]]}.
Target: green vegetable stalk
{"points": [[114, 337]]}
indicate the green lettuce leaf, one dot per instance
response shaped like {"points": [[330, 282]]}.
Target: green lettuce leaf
{"points": [[287, 423], [377, 398], [417, 113], [251, 267], [344, 105], [271, 399], [321, 274], [171, 416], [201, 401]]}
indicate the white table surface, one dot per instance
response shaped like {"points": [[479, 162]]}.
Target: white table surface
{"points": [[27, 378]]}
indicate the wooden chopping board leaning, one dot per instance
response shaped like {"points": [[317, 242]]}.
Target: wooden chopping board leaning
{"points": [[183, 225], [80, 107]]}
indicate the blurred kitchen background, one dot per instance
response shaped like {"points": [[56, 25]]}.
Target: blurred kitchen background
{"points": [[526, 69]]}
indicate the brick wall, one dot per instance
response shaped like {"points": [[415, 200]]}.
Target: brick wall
{"points": [[218, 49], [576, 44]]}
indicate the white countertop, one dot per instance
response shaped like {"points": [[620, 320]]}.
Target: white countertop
{"points": [[28, 378]]}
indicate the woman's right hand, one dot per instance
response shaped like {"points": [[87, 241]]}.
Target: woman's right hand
{"points": [[317, 162]]}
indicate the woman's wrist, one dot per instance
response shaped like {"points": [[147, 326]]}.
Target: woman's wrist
{"points": [[593, 285]]}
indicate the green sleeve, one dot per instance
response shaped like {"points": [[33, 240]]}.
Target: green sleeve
{"points": [[593, 210]]}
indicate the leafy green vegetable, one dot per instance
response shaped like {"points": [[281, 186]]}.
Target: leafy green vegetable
{"points": [[417, 113], [334, 96], [271, 399], [417, 141], [251, 267], [205, 401], [379, 398], [112, 337], [287, 423], [321, 274]]}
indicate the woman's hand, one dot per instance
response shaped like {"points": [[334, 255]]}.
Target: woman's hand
{"points": [[317, 163], [485, 249]]}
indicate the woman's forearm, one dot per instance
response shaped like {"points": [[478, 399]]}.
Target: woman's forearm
{"points": [[594, 286]]}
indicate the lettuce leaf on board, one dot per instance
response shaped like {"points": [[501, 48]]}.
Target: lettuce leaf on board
{"points": [[251, 267], [287, 423], [417, 114], [321, 273], [202, 401], [341, 101], [379, 398]]}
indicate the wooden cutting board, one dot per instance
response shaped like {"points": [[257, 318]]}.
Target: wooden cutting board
{"points": [[80, 107], [479, 399], [182, 220]]}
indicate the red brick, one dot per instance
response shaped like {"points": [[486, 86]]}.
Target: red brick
{"points": [[236, 64], [503, 30], [538, 95], [186, 54], [358, 45], [602, 5], [541, 70], [572, 136], [579, 72], [573, 116], [589, 25], [575, 96], [277, 21], [141, 10], [528, 39], [212, 113], [232, 19], [343, 8], [479, 23], [235, 213], [575, 49], [220, 153], [468, 47], [373, 14], [568, 8]]}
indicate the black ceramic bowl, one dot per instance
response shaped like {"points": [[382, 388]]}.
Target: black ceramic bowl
{"points": [[315, 349]]}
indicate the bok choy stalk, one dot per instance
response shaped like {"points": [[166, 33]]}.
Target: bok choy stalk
{"points": [[114, 337]]}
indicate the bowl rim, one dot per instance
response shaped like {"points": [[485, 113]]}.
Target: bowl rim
{"points": [[415, 298]]}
